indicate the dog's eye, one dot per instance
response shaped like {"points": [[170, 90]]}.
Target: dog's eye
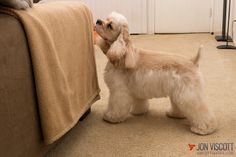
{"points": [[109, 26]]}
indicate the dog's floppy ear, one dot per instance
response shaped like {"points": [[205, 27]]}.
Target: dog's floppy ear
{"points": [[117, 49], [121, 51]]}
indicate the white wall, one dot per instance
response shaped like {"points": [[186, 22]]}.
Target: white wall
{"points": [[183, 16], [149, 24], [217, 16], [134, 10]]}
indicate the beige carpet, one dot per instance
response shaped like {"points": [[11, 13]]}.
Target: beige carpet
{"points": [[153, 134]]}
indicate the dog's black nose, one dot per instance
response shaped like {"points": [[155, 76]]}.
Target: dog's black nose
{"points": [[99, 22]]}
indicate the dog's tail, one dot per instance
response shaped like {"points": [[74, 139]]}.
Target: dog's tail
{"points": [[197, 58]]}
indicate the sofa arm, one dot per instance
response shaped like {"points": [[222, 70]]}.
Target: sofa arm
{"points": [[20, 133]]}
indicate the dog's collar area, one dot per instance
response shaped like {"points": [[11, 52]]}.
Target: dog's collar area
{"points": [[109, 41]]}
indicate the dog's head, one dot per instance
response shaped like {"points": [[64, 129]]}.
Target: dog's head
{"points": [[115, 32]]}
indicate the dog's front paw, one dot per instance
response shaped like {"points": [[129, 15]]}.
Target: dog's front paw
{"points": [[113, 117]]}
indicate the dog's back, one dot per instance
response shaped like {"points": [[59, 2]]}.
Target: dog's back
{"points": [[164, 61], [163, 71]]}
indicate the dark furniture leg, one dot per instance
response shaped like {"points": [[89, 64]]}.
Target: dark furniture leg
{"points": [[85, 114], [227, 46], [223, 37]]}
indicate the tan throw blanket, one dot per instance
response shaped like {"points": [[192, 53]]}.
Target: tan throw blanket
{"points": [[60, 40]]}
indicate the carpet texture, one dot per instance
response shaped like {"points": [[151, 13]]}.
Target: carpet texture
{"points": [[153, 134]]}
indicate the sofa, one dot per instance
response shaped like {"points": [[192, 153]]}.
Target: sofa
{"points": [[20, 128]]}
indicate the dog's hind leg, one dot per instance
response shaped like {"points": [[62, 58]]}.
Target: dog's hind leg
{"points": [[174, 111], [201, 118], [139, 106], [118, 106]]}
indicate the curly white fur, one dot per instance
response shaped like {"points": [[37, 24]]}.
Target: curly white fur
{"points": [[134, 75]]}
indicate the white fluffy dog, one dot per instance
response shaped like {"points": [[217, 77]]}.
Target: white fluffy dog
{"points": [[17, 4], [134, 75]]}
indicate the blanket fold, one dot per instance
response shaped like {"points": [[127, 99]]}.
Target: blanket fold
{"points": [[59, 36]]}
